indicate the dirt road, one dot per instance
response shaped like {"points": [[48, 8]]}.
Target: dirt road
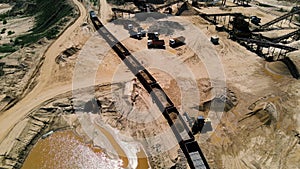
{"points": [[43, 89], [47, 87], [104, 11]]}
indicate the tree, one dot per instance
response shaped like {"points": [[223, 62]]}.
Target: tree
{"points": [[4, 21]]}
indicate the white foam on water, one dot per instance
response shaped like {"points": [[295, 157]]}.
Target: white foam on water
{"points": [[74, 154], [128, 145]]}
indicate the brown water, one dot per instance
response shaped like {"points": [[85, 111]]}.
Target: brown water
{"points": [[142, 160], [66, 150], [116, 146]]}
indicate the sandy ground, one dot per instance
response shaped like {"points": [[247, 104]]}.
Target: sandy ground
{"points": [[36, 96], [19, 26], [228, 52], [55, 81], [105, 11], [279, 4], [234, 144], [4, 8], [249, 82]]}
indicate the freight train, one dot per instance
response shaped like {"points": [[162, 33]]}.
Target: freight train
{"points": [[180, 129]]}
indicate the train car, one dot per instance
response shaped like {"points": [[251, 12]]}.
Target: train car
{"points": [[179, 122], [93, 14], [172, 112], [132, 64], [121, 49], [146, 75], [186, 141], [161, 97], [96, 22]]}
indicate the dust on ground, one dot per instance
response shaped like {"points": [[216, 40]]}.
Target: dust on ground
{"points": [[258, 130], [15, 66], [246, 138]]}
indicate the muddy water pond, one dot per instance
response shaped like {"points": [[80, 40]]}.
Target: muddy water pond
{"points": [[66, 150]]}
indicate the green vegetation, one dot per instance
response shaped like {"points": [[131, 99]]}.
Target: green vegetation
{"points": [[50, 13], [116, 2], [95, 2], [3, 31], [297, 18], [10, 33], [48, 16], [6, 48], [3, 16], [4, 21], [3, 56]]}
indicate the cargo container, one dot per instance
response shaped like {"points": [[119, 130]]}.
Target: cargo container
{"points": [[156, 44]]}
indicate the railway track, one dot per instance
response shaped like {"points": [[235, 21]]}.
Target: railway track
{"points": [[184, 136]]}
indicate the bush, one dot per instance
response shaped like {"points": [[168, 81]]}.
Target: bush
{"points": [[48, 15], [51, 34], [4, 21], [3, 31], [27, 39], [3, 16], [116, 2], [5, 48], [10, 33]]}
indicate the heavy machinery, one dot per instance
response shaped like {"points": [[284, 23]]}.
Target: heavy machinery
{"points": [[135, 35], [141, 31], [156, 43], [241, 27], [175, 42], [255, 20], [153, 35], [182, 133], [198, 125]]}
